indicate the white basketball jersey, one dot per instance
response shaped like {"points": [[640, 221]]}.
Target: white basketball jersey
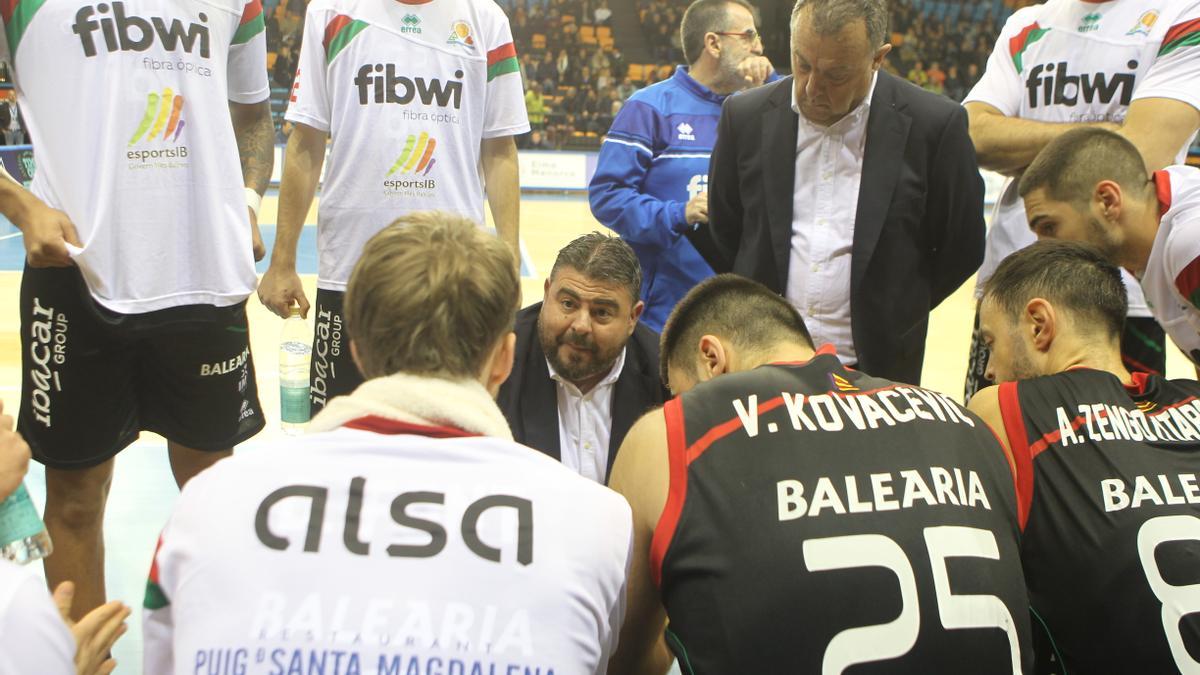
{"points": [[1172, 277], [389, 548], [1078, 61]]}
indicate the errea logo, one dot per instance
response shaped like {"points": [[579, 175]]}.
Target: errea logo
{"points": [[685, 132]]}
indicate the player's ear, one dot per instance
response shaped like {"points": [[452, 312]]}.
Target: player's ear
{"points": [[1108, 199], [714, 358], [1042, 323]]}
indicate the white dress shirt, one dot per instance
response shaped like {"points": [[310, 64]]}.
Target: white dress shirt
{"points": [[585, 423], [829, 162]]}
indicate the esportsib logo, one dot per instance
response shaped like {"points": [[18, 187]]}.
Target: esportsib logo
{"points": [[163, 114], [417, 157], [162, 123]]}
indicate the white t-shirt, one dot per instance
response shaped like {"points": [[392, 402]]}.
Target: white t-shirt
{"points": [[407, 91], [1079, 61], [126, 106], [33, 637], [1172, 278], [423, 554]]}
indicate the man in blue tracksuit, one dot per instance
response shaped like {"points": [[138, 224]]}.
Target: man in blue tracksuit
{"points": [[651, 181]]}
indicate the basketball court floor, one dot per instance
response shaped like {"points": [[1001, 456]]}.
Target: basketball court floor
{"points": [[143, 490]]}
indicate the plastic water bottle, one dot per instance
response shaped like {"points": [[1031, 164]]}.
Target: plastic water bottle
{"points": [[23, 535], [295, 355]]}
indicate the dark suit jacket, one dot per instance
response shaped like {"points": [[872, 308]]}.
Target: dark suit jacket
{"points": [[919, 230], [529, 398]]}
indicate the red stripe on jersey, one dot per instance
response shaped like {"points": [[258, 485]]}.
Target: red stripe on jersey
{"points": [[1162, 187], [1180, 29], [339, 22], [1188, 281], [1018, 443], [383, 425], [253, 10], [722, 430], [664, 531], [1017, 42], [1138, 383], [1055, 436], [7, 7], [154, 561], [500, 53]]}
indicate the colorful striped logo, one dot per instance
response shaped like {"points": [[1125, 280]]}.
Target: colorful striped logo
{"points": [[417, 157], [163, 116], [841, 383], [252, 22], [1021, 41]]}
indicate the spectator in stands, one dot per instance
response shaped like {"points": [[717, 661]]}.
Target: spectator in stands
{"points": [[617, 62], [604, 81], [937, 78], [626, 88], [602, 13], [562, 66], [651, 176], [535, 105], [955, 88], [918, 75], [284, 70], [528, 69]]}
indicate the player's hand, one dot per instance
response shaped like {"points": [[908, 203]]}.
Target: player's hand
{"points": [[754, 70], [47, 233], [95, 634], [696, 210], [279, 289], [14, 456], [260, 250]]}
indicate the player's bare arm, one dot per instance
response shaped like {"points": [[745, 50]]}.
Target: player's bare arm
{"points": [[1008, 144], [1159, 127], [46, 231], [640, 474], [280, 286], [255, 133], [986, 404], [501, 179]]}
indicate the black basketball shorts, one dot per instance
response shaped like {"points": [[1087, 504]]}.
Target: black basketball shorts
{"points": [[93, 379]]}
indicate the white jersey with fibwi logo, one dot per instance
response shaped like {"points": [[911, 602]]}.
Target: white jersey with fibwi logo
{"points": [[389, 548], [1172, 277], [1077, 61], [407, 90], [126, 106]]}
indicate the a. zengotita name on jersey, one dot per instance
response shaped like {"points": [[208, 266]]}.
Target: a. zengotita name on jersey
{"points": [[1100, 422]]}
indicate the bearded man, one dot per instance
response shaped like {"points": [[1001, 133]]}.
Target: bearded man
{"points": [[585, 368]]}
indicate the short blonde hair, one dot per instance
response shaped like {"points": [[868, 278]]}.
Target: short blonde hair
{"points": [[432, 294]]}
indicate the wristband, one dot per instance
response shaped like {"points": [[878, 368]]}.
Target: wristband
{"points": [[253, 200]]}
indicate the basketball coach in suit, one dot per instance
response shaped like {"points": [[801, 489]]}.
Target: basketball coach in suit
{"points": [[851, 192], [585, 369]]}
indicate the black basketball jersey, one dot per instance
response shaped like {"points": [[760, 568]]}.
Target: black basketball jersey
{"points": [[820, 520], [1109, 496]]}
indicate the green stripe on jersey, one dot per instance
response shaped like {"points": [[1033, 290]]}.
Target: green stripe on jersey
{"points": [[21, 16], [504, 67], [155, 598], [343, 38], [249, 29], [1187, 40]]}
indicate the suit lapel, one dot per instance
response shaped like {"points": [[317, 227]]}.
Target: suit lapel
{"points": [[539, 402], [779, 171], [887, 134]]}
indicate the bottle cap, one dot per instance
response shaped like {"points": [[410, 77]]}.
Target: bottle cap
{"points": [[294, 311]]}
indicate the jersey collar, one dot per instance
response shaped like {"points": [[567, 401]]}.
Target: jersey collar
{"points": [[685, 80], [1162, 188], [383, 425]]}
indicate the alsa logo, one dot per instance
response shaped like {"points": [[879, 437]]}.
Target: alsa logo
{"points": [[685, 132], [697, 185], [126, 33], [380, 84], [1058, 88]]}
